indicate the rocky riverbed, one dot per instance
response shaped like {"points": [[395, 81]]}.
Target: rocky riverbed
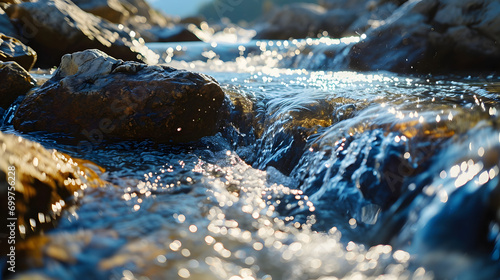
{"points": [[344, 140]]}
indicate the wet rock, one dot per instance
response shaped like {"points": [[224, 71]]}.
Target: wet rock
{"points": [[433, 35], [292, 21], [15, 82], [56, 27], [12, 49], [94, 96], [41, 182], [111, 10]]}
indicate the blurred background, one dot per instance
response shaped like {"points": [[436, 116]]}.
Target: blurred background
{"points": [[237, 11]]}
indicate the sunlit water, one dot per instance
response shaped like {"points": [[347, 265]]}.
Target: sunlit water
{"points": [[339, 175]]}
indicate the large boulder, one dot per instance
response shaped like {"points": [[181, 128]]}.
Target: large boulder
{"points": [[433, 35], [94, 96], [56, 27], [12, 49], [292, 21], [15, 82], [35, 185], [111, 10]]}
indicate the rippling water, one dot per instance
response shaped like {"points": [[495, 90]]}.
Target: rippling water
{"points": [[331, 175]]}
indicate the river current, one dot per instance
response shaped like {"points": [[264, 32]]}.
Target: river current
{"points": [[325, 174]]}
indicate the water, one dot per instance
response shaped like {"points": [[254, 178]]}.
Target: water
{"points": [[317, 175]]}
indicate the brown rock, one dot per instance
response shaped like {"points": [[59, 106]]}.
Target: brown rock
{"points": [[40, 182], [15, 82], [93, 96], [12, 49], [111, 10]]}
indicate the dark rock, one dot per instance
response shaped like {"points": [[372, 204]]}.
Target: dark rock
{"points": [[292, 21], [433, 35], [6, 26], [43, 182], [336, 22], [56, 27], [111, 10], [12, 49], [177, 33], [15, 82], [93, 96]]}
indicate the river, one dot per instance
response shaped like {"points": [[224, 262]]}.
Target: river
{"points": [[326, 174]]}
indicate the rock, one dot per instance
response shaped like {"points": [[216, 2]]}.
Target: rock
{"points": [[141, 8], [12, 49], [56, 27], [43, 182], [354, 17], [111, 10], [433, 36], [15, 82], [93, 96], [336, 21], [292, 21], [6, 26], [177, 33]]}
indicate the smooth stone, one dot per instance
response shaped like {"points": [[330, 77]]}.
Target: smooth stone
{"points": [[93, 96]]}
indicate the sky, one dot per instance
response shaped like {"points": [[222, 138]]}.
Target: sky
{"points": [[180, 8]]}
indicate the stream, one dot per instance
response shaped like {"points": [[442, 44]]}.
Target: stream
{"points": [[325, 174]]}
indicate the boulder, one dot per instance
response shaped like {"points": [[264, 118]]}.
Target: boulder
{"points": [[15, 82], [12, 49], [93, 96], [111, 10], [292, 21], [56, 27], [432, 36], [42, 182]]}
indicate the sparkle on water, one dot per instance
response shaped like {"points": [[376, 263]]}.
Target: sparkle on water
{"points": [[201, 212]]}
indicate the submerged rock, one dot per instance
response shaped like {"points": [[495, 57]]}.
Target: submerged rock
{"points": [[39, 182], [56, 27], [93, 96], [433, 35], [15, 82], [12, 49]]}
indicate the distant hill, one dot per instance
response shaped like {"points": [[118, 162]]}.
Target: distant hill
{"points": [[241, 10]]}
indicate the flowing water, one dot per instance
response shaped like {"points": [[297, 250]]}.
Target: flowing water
{"points": [[319, 174]]}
